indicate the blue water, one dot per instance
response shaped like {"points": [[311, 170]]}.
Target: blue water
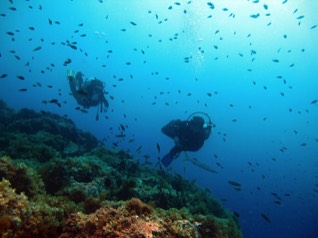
{"points": [[266, 126]]}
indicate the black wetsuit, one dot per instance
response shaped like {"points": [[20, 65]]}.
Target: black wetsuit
{"points": [[188, 136], [89, 93]]}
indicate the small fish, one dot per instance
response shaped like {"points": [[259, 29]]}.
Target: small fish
{"points": [[313, 27], [73, 47], [254, 15], [37, 48], [20, 77], [120, 135], [23, 89], [266, 218], [314, 101], [158, 148], [31, 28], [133, 23], [234, 183], [211, 5], [275, 60], [50, 21], [54, 101], [139, 149], [3, 76], [284, 1]]}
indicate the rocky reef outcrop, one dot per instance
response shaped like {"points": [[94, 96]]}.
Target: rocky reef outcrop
{"points": [[58, 181]]}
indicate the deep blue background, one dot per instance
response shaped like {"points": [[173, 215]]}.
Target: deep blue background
{"points": [[261, 149]]}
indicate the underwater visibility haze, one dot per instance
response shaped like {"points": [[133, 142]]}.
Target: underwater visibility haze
{"points": [[251, 65]]}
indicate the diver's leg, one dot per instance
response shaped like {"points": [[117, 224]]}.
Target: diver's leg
{"points": [[173, 154], [97, 115]]}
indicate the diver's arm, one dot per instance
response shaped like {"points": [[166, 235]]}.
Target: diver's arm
{"points": [[105, 102], [79, 80], [72, 83], [76, 86]]}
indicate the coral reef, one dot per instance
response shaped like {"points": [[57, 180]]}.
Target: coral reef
{"points": [[57, 181], [41, 136], [136, 219]]}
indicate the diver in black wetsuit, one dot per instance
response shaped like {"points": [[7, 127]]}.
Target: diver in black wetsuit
{"points": [[89, 93], [188, 135]]}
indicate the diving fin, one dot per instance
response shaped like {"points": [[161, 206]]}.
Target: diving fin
{"points": [[173, 154], [167, 159]]}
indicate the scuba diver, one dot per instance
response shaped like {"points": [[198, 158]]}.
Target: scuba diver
{"points": [[188, 135], [88, 93]]}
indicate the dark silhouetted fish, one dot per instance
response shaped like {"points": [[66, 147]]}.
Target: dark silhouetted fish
{"points": [[266, 218], [37, 48], [234, 183], [211, 5], [254, 15]]}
